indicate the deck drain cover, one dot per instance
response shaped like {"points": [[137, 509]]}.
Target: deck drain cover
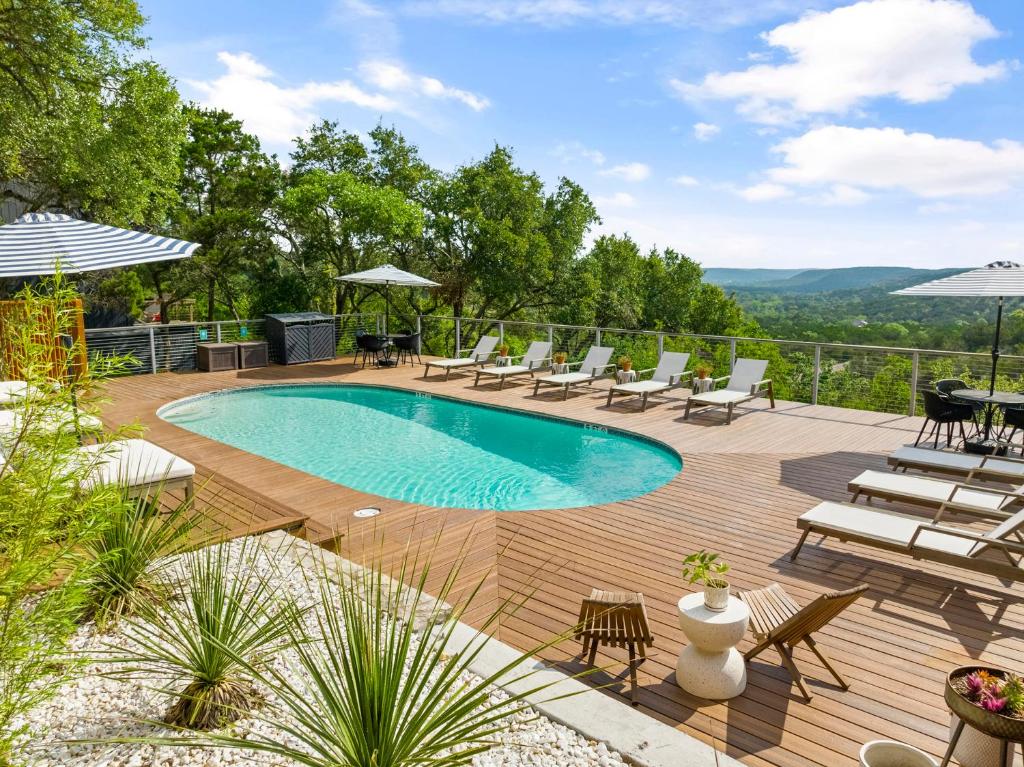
{"points": [[369, 511]]}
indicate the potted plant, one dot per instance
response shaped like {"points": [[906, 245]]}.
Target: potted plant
{"points": [[991, 701], [559, 359], [502, 354], [706, 568], [703, 382], [625, 362], [702, 371]]}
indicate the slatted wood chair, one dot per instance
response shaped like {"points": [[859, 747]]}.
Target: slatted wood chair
{"points": [[616, 619], [777, 621]]}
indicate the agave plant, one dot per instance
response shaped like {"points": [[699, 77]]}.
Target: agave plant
{"points": [[228, 617], [122, 558], [368, 686]]}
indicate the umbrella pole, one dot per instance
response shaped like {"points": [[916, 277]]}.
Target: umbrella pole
{"points": [[387, 309], [995, 348]]}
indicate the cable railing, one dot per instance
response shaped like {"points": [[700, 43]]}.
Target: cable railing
{"points": [[879, 378]]}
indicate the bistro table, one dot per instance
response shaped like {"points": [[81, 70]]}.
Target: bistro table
{"points": [[991, 402]]}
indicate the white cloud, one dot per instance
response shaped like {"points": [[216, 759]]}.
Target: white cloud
{"points": [[915, 50], [685, 181], [841, 194], [277, 114], [572, 151], [891, 158], [938, 208], [705, 131], [764, 192], [393, 77], [558, 13], [617, 200], [630, 171]]}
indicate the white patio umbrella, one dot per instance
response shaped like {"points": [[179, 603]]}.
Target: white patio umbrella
{"points": [[997, 280], [35, 243], [387, 276]]}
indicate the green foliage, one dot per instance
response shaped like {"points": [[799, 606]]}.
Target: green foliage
{"points": [[122, 558], [229, 611], [48, 512], [705, 567]]}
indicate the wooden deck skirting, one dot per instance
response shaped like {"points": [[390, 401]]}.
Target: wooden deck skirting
{"points": [[741, 489]]}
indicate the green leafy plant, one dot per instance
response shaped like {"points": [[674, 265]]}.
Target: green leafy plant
{"points": [[503, 350], [626, 362], [382, 678], [703, 370], [559, 358], [122, 558], [229, 612], [705, 567]]}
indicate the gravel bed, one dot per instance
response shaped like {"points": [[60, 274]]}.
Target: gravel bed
{"points": [[98, 706]]}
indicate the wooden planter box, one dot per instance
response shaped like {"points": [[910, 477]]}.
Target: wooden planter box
{"points": [[213, 357]]}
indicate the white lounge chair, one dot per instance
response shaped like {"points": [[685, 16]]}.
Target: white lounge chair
{"points": [[746, 382], [537, 358], [594, 366], [922, 540], [11, 392], [139, 466], [964, 465], [939, 494], [478, 356], [670, 373], [63, 420]]}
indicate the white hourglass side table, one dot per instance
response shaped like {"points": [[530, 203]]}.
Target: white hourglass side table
{"points": [[710, 666]]}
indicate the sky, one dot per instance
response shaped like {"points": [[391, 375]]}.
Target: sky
{"points": [[744, 133]]}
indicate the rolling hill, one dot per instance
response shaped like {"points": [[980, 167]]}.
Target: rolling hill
{"points": [[789, 281]]}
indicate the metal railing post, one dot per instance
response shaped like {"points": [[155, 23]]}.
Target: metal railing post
{"points": [[732, 354], [817, 374], [661, 344], [501, 332], [597, 336], [152, 349], [218, 333], [914, 363], [458, 336], [551, 335], [419, 333]]}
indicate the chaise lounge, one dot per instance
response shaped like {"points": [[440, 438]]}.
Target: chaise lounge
{"points": [[594, 366], [964, 465], [670, 373], [537, 357], [927, 541], [139, 466], [478, 356], [746, 382], [939, 494]]}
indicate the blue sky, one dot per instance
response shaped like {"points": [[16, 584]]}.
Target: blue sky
{"points": [[761, 133]]}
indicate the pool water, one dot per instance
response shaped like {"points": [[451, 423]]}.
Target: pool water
{"points": [[430, 450]]}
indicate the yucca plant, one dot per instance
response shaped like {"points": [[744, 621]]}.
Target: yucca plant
{"points": [[368, 686], [229, 612], [122, 559]]}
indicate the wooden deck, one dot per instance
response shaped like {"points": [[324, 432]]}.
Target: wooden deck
{"points": [[741, 489]]}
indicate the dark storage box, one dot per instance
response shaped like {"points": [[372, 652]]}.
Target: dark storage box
{"points": [[217, 356], [252, 354], [300, 337]]}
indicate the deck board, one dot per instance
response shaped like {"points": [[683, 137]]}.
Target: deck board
{"points": [[740, 492]]}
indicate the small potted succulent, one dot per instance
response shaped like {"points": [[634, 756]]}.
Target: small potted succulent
{"points": [[702, 373], [503, 358], [626, 362], [559, 365], [707, 568], [990, 700]]}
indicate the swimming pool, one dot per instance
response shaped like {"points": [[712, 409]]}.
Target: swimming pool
{"points": [[428, 449]]}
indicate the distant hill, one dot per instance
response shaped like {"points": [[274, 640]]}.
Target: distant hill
{"points": [[822, 280]]}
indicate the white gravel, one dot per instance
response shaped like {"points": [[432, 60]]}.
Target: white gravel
{"points": [[96, 706]]}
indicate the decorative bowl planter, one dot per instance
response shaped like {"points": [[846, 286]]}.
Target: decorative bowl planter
{"points": [[989, 722], [890, 753], [716, 597]]}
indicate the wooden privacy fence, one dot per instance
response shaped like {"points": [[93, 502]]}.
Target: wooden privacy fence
{"points": [[48, 329]]}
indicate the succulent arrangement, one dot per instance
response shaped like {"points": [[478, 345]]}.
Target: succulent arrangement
{"points": [[996, 694], [626, 362], [702, 370], [503, 350], [559, 358]]}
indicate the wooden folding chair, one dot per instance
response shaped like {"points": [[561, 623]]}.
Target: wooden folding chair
{"points": [[616, 619], [777, 621]]}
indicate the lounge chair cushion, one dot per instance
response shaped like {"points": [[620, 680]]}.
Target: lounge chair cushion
{"points": [[508, 370], [565, 378], [641, 387], [961, 462], [10, 421], [894, 528], [461, 362], [935, 490], [721, 397], [12, 391], [135, 462]]}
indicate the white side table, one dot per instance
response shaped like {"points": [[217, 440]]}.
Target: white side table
{"points": [[710, 666], [559, 368], [625, 376], [502, 362], [702, 385]]}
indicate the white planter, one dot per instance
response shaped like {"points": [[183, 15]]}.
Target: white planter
{"points": [[716, 598], [558, 368], [702, 385], [889, 753], [503, 362]]}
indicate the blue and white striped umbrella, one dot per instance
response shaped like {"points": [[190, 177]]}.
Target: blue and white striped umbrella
{"points": [[36, 242]]}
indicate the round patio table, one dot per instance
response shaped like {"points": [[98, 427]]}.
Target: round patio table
{"points": [[990, 401]]}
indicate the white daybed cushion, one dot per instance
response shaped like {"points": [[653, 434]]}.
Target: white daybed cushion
{"points": [[895, 528], [133, 462], [641, 387], [720, 397], [948, 460], [936, 490], [459, 362], [10, 420], [565, 378], [507, 370], [12, 391]]}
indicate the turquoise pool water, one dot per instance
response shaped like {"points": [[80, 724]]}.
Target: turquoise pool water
{"points": [[430, 450]]}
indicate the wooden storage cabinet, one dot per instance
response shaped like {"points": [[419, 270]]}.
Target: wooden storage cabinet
{"points": [[213, 357], [252, 354]]}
